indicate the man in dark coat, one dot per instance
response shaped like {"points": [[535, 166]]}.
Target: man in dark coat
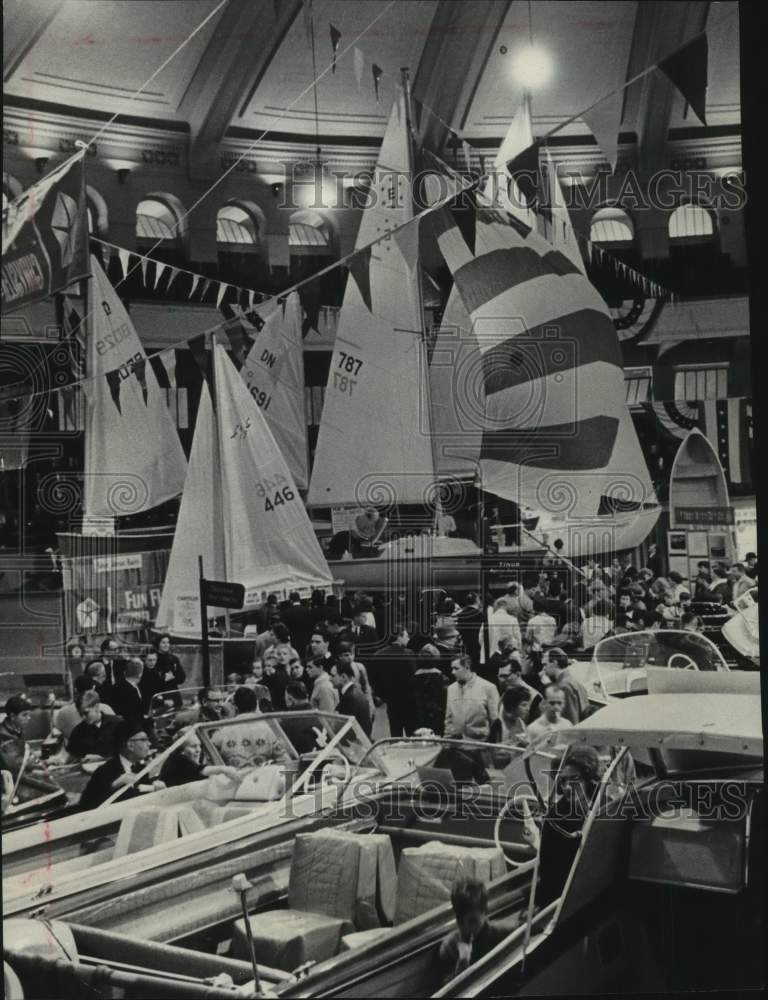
{"points": [[352, 701], [391, 671], [95, 735], [127, 699], [133, 745], [469, 622], [299, 622]]}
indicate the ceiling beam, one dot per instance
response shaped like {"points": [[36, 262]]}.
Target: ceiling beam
{"points": [[24, 22], [661, 27], [246, 39], [455, 54]]}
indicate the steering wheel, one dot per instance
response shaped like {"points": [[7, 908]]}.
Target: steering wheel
{"points": [[686, 663]]}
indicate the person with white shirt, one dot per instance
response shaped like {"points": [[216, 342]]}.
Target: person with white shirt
{"points": [[471, 704], [502, 622], [542, 628], [551, 719]]}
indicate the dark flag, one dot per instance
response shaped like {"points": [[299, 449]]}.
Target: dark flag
{"points": [[687, 69], [335, 39], [45, 237]]}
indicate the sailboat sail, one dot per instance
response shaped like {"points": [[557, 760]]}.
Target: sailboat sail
{"points": [[133, 457], [376, 413], [557, 435], [240, 510], [274, 374]]}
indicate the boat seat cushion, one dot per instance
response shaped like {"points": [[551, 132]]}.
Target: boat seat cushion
{"points": [[427, 873], [360, 938], [286, 939], [143, 828], [346, 875]]}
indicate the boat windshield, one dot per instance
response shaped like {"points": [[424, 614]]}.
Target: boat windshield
{"points": [[171, 710], [442, 763], [662, 648]]}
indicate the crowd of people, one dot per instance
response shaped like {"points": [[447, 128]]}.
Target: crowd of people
{"points": [[496, 671]]}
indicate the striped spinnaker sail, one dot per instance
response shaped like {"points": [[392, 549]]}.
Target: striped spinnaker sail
{"points": [[557, 436]]}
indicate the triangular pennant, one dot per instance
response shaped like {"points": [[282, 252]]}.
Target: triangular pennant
{"points": [[156, 360], [359, 269], [124, 257], [195, 282], [687, 69], [220, 294], [524, 171], [358, 61], [171, 278], [201, 355], [309, 295], [140, 371], [407, 241], [160, 270], [335, 39], [604, 120], [113, 381], [377, 72], [144, 261], [206, 286]]}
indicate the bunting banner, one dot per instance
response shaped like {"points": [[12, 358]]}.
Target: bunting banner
{"points": [[335, 39], [124, 257], [727, 423], [45, 237], [160, 270], [687, 69], [359, 269], [221, 293], [377, 72]]}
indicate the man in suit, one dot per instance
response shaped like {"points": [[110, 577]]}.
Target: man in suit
{"points": [[364, 637], [127, 697], [114, 663], [133, 745], [298, 620], [352, 701], [391, 671], [95, 735], [469, 622]]}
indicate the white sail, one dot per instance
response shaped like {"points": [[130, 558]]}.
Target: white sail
{"points": [[374, 441], [500, 188], [240, 510], [133, 457], [274, 374]]}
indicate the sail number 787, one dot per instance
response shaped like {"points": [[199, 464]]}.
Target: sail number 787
{"points": [[348, 365]]}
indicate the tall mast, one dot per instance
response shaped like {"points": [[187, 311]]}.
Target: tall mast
{"points": [[405, 76]]}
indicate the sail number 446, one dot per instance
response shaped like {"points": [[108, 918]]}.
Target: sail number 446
{"points": [[276, 491], [348, 365]]}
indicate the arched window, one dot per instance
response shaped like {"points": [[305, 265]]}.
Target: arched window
{"points": [[311, 233], [156, 219], [693, 223], [611, 225], [237, 227]]}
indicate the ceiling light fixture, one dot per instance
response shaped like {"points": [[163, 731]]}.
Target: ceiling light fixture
{"points": [[531, 67]]}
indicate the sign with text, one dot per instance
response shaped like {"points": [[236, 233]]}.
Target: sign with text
{"points": [[221, 594], [696, 516]]}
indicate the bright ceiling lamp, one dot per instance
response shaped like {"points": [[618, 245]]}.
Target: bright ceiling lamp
{"points": [[531, 67]]}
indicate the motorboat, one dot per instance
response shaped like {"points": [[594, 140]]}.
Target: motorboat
{"points": [[381, 866], [666, 859], [619, 663], [305, 756]]}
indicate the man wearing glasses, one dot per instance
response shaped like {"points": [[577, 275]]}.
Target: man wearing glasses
{"points": [[132, 747]]}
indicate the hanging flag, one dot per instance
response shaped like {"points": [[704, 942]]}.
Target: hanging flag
{"points": [[524, 171], [407, 240], [143, 261], [200, 355], [221, 293], [687, 69], [604, 120], [206, 286], [377, 72], [140, 371], [160, 270], [335, 39], [45, 237], [359, 268], [125, 260], [195, 281], [358, 61], [171, 278]]}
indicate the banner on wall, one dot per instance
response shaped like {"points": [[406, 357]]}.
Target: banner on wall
{"points": [[112, 594]]}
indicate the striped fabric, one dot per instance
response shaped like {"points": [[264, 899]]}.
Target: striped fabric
{"points": [[552, 371]]}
